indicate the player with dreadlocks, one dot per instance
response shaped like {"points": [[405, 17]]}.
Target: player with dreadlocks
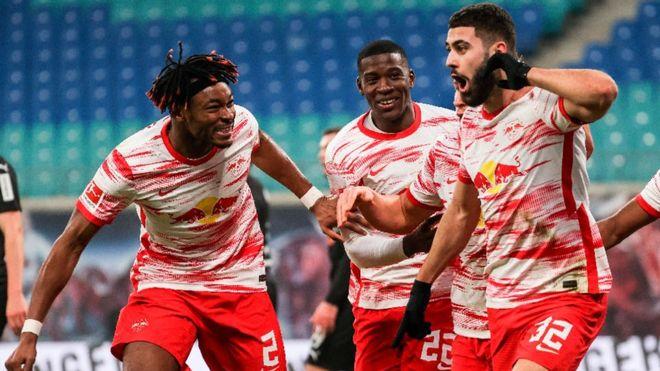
{"points": [[199, 272]]}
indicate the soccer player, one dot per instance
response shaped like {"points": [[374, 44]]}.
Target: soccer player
{"points": [[384, 149], [638, 212], [523, 165], [332, 341], [199, 272], [13, 306]]}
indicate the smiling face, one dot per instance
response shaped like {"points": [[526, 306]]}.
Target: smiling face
{"points": [[209, 117], [467, 60], [385, 81]]}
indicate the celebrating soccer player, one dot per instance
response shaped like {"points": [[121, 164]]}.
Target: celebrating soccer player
{"points": [[384, 150], [199, 271]]}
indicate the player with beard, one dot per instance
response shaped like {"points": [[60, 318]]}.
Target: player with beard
{"points": [[638, 212], [523, 165], [383, 150], [199, 271]]}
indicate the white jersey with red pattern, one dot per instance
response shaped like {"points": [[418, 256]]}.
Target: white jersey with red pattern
{"points": [[649, 198], [528, 163], [199, 228], [434, 187], [361, 155]]}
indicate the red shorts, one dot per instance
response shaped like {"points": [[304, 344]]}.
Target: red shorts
{"points": [[235, 331], [555, 333], [375, 330], [469, 354]]}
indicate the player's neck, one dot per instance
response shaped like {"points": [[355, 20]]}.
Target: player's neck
{"points": [[184, 143], [399, 124], [500, 98]]}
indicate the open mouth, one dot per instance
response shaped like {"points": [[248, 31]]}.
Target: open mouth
{"points": [[386, 104], [223, 130], [460, 82]]}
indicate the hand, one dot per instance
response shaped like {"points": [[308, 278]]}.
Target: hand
{"points": [[325, 316], [421, 239], [325, 211], [413, 322], [348, 200], [16, 312], [23, 357], [515, 69]]}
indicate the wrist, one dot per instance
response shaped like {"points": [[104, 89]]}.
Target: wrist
{"points": [[31, 326], [409, 246], [310, 197]]}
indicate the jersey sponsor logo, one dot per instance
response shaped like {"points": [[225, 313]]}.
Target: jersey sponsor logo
{"points": [[374, 172], [93, 193], [206, 211], [493, 176], [551, 334]]}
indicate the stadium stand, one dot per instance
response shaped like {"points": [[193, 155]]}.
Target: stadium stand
{"points": [[75, 74]]}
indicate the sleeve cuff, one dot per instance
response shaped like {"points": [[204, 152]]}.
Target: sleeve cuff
{"points": [[562, 109], [420, 204], [647, 207], [92, 219]]}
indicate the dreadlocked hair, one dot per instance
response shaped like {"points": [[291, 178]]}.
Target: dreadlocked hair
{"points": [[178, 82]]}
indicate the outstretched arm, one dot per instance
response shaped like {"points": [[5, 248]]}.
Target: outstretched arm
{"points": [[623, 223], [11, 225], [53, 276], [588, 94], [388, 213]]}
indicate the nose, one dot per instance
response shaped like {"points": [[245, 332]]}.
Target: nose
{"points": [[452, 60], [227, 115], [383, 85]]}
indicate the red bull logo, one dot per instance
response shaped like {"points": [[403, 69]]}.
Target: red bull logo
{"points": [[513, 130], [207, 211], [492, 176]]}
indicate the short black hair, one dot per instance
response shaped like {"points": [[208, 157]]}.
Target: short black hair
{"points": [[382, 46], [178, 82], [332, 130], [490, 22]]}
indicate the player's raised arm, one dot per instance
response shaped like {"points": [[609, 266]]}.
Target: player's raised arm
{"points": [[53, 276], [388, 213]]}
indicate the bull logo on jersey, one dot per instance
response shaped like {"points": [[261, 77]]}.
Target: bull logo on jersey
{"points": [[237, 167], [513, 130], [207, 211], [493, 176]]}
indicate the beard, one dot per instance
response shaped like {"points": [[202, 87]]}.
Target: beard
{"points": [[482, 85]]}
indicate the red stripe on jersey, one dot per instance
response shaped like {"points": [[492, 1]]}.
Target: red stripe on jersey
{"points": [[177, 155], [92, 219], [390, 136], [567, 173], [355, 271], [568, 117], [589, 250], [121, 164], [647, 207], [418, 203]]}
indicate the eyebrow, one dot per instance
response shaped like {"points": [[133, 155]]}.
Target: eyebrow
{"points": [[455, 42]]}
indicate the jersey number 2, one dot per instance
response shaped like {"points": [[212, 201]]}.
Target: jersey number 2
{"points": [[432, 349], [270, 350]]}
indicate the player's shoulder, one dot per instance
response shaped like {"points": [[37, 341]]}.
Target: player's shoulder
{"points": [[242, 113], [144, 138], [431, 112], [348, 133]]}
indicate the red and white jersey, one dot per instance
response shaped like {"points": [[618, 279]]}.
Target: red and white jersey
{"points": [[362, 155], [649, 198], [528, 163], [199, 228], [434, 188]]}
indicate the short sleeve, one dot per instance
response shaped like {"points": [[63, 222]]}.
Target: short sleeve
{"points": [[551, 108], [110, 191], [649, 198], [9, 198], [423, 192], [339, 174]]}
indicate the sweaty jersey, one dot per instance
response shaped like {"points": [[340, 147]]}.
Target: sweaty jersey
{"points": [[434, 187], [649, 198], [528, 163], [362, 155], [199, 228]]}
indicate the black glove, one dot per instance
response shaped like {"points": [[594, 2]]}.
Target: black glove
{"points": [[515, 69], [413, 322]]}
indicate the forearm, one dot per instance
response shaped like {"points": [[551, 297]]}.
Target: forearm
{"points": [[622, 224], [14, 258], [388, 213], [590, 89], [451, 237], [272, 160], [53, 276], [374, 251]]}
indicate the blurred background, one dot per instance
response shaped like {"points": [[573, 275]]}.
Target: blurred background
{"points": [[74, 73]]}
